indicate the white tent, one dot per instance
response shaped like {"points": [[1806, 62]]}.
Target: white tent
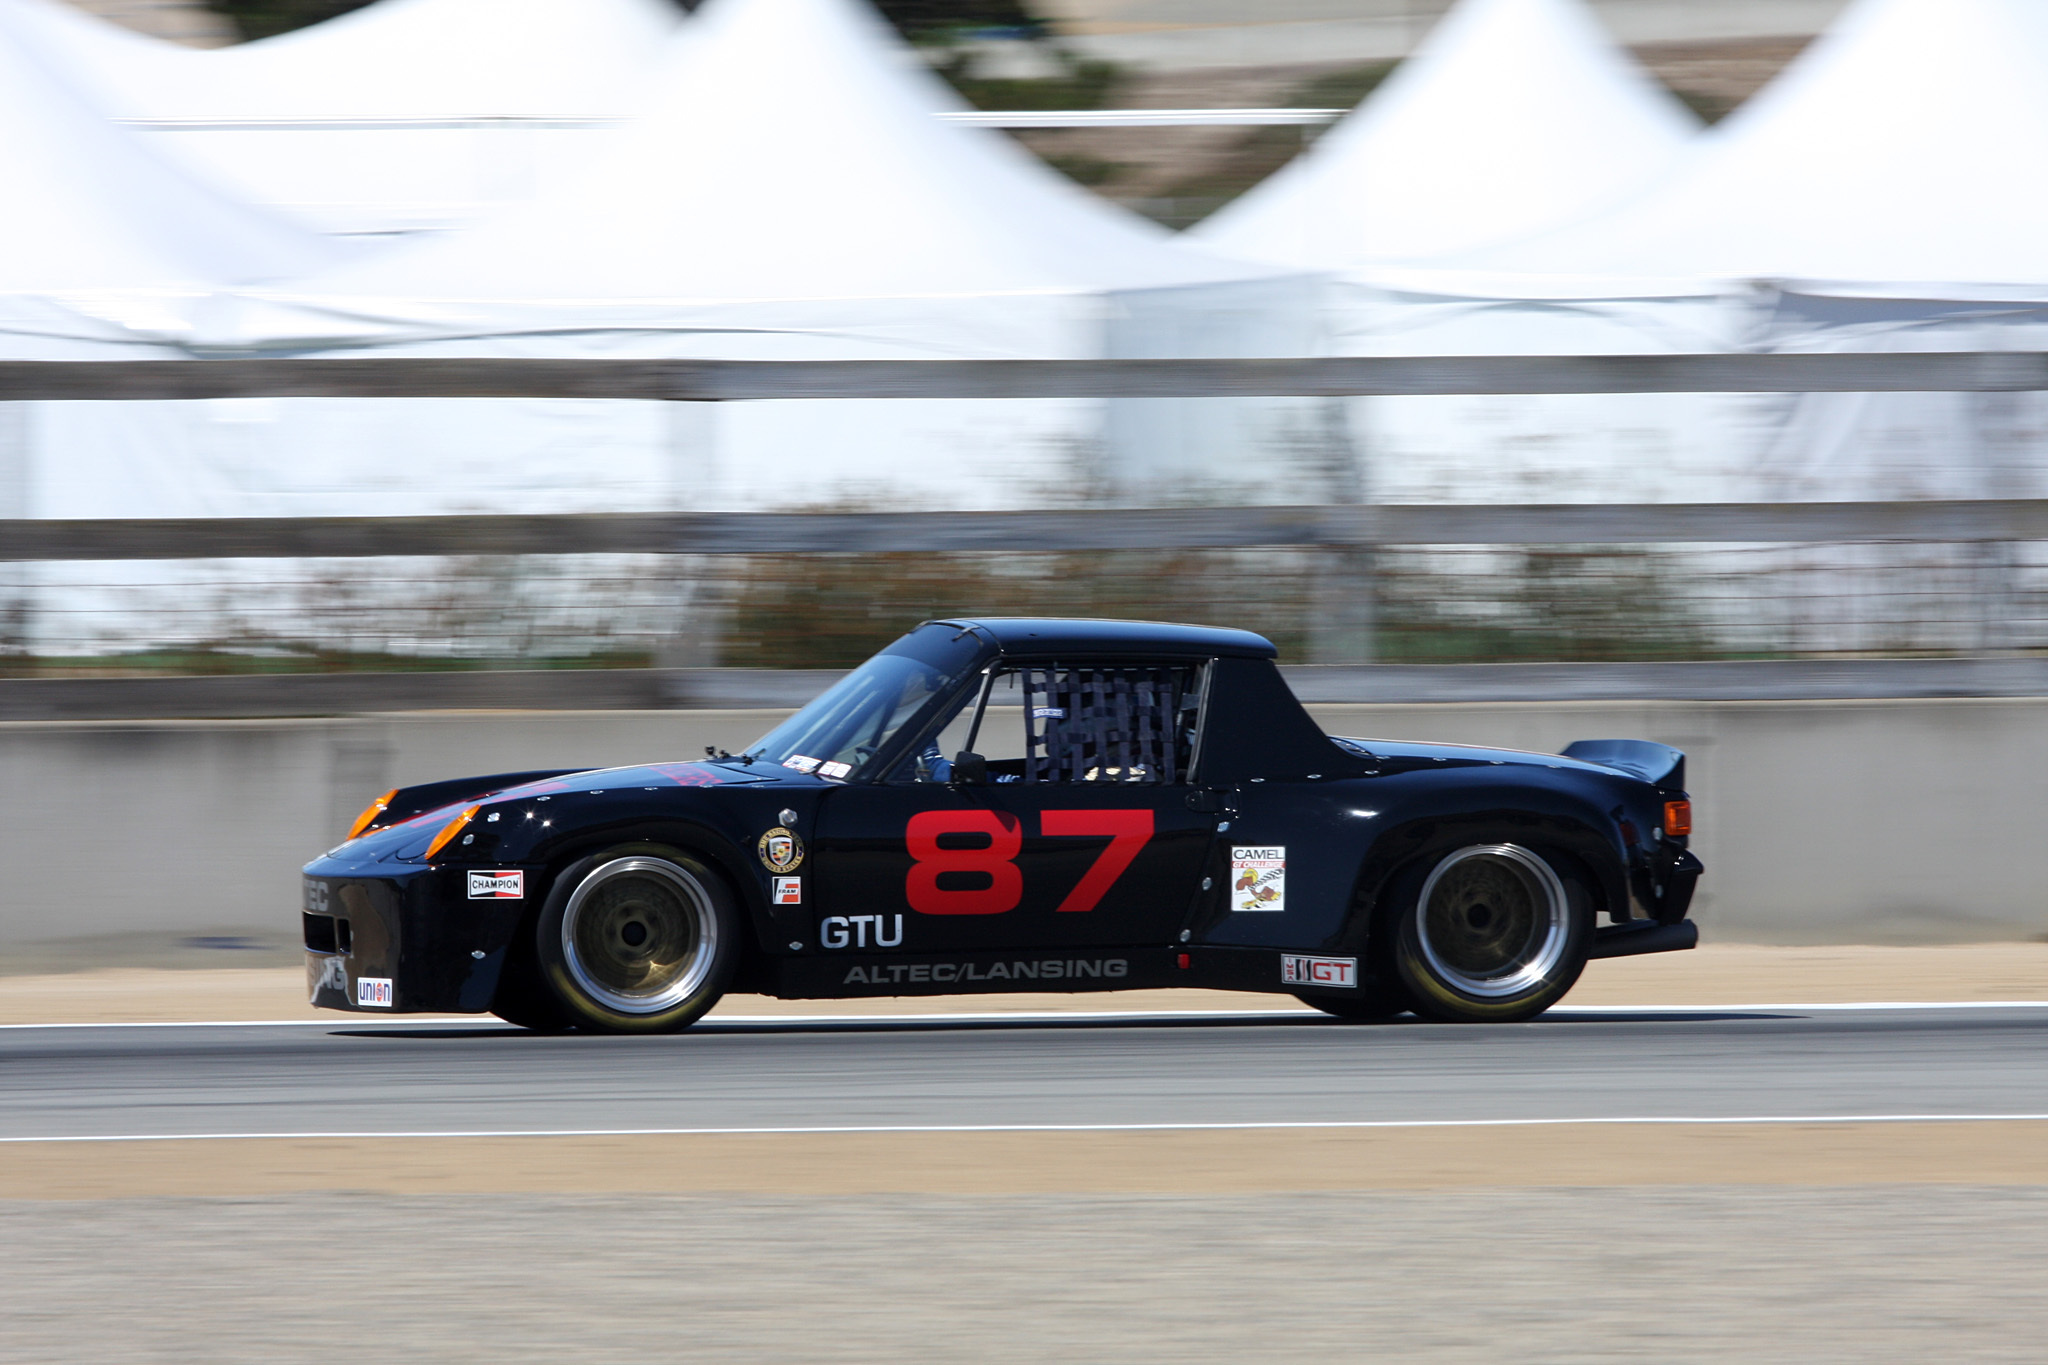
{"points": [[104, 240], [1514, 115], [406, 115], [1875, 197], [1888, 160], [106, 252], [791, 196]]}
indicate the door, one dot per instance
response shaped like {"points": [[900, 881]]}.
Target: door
{"points": [[1082, 834]]}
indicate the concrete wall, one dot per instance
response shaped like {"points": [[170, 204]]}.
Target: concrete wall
{"points": [[1865, 821]]}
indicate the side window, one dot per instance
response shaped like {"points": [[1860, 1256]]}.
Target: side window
{"points": [[1001, 737], [1128, 725], [1060, 724]]}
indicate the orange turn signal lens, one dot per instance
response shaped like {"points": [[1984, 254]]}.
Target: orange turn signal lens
{"points": [[450, 830], [370, 813], [1677, 818]]}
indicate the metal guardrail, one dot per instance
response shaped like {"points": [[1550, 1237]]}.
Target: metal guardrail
{"points": [[715, 381], [730, 533], [660, 689]]}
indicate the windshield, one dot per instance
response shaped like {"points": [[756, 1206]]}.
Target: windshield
{"points": [[841, 730]]}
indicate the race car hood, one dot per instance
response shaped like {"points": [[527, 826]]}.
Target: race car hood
{"points": [[407, 840]]}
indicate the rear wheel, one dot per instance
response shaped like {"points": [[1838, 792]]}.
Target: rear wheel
{"points": [[640, 939], [1495, 932]]}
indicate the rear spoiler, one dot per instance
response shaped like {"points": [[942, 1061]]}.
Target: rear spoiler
{"points": [[1662, 766]]}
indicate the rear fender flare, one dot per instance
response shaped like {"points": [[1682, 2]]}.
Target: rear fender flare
{"points": [[1418, 843]]}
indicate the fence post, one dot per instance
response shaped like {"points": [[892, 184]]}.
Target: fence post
{"points": [[1343, 606]]}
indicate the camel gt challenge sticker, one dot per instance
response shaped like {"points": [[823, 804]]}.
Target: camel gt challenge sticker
{"points": [[780, 850], [1258, 879]]}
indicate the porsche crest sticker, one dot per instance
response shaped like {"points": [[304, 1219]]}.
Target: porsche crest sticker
{"points": [[780, 850]]}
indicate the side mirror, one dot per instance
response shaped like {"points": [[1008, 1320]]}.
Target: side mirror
{"points": [[970, 770]]}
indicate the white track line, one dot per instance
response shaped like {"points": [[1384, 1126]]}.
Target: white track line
{"points": [[344, 1019], [1834, 1120]]}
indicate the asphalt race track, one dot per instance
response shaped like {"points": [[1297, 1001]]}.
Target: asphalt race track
{"points": [[368, 1075]]}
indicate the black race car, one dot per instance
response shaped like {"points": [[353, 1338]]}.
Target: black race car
{"points": [[1015, 805]]}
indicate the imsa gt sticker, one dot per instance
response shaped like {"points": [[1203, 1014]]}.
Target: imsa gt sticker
{"points": [[1258, 879], [497, 886], [1318, 971], [373, 992]]}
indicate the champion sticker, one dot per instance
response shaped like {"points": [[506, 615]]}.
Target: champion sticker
{"points": [[789, 890], [497, 886], [780, 850], [1318, 971], [373, 992], [1258, 879]]}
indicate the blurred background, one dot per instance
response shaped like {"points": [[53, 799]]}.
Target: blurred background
{"points": [[988, 180], [228, 622]]}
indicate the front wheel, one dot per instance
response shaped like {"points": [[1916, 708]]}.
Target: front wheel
{"points": [[639, 939], [1494, 933]]}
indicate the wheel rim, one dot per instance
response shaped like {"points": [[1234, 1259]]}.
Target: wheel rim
{"points": [[1494, 920], [638, 935]]}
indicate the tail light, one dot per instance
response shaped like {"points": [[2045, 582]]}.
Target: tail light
{"points": [[1677, 818]]}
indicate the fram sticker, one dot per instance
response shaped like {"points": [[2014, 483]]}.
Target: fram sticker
{"points": [[373, 991], [1318, 971], [789, 890], [497, 886], [1258, 879]]}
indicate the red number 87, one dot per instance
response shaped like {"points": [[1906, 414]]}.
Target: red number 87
{"points": [[1128, 831]]}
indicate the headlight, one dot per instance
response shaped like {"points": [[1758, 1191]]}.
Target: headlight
{"points": [[450, 830], [370, 814]]}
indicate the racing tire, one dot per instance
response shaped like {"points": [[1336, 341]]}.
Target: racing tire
{"points": [[1368, 1004], [641, 938], [1491, 933]]}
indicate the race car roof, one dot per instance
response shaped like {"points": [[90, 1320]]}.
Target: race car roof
{"points": [[1043, 635]]}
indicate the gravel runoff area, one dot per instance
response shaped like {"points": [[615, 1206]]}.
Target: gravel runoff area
{"points": [[1716, 974], [1713, 1273]]}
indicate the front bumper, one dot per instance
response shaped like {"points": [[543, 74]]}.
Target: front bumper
{"points": [[403, 941]]}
